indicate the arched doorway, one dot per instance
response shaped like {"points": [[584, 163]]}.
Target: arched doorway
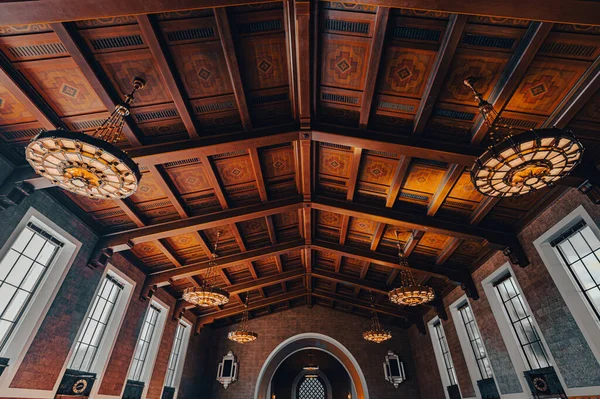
{"points": [[312, 341]]}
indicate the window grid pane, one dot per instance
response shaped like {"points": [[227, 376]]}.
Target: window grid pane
{"points": [[21, 270], [475, 341], [95, 325], [580, 252], [445, 353], [174, 358], [143, 345], [522, 324]]}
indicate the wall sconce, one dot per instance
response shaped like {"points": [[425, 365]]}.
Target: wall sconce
{"points": [[228, 370], [393, 369]]}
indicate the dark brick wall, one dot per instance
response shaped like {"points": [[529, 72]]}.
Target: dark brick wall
{"points": [[428, 374], [573, 356], [199, 371], [345, 328]]}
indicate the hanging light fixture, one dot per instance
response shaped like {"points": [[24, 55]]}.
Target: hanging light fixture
{"points": [[376, 333], [90, 165], [208, 295], [410, 293], [242, 334], [518, 165]]}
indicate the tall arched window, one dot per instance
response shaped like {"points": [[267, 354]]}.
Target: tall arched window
{"points": [[311, 388]]}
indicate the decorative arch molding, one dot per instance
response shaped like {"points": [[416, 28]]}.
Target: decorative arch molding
{"points": [[322, 377], [311, 341]]}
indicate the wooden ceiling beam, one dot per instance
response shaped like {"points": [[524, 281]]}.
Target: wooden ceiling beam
{"points": [[232, 65], [513, 74], [168, 190], [483, 208], [364, 269], [271, 229], [289, 23], [278, 263], [345, 225], [414, 221], [214, 182], [95, 76], [387, 261], [397, 180], [357, 303], [354, 171], [448, 251], [257, 169], [305, 155], [123, 240], [154, 39], [24, 92], [164, 277], [21, 13], [578, 96], [437, 77], [376, 50], [338, 263], [220, 314], [409, 246], [450, 178], [302, 60], [377, 236], [408, 146]]}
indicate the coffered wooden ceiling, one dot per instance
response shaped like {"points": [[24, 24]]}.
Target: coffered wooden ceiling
{"points": [[307, 133]]}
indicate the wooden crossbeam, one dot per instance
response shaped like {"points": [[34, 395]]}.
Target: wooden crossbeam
{"points": [[386, 260], [359, 304], [448, 251], [123, 240], [211, 176], [232, 65], [437, 77], [354, 170], [377, 43], [304, 162], [377, 235], [94, 75], [220, 314], [161, 180], [155, 41], [513, 74], [450, 178], [413, 221], [271, 229], [302, 60], [397, 180], [256, 168], [345, 223]]}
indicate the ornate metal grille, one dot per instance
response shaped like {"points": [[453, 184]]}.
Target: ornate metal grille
{"points": [[311, 388]]}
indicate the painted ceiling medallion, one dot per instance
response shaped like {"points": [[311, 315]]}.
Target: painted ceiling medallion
{"points": [[90, 165], [410, 293], [208, 295], [521, 164], [242, 334]]}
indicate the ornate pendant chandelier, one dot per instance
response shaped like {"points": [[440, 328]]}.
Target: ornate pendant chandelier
{"points": [[310, 366], [410, 293], [208, 295], [242, 334], [518, 165], [90, 165], [376, 333]]}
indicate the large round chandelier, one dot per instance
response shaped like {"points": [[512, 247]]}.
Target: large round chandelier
{"points": [[90, 165], [518, 165], [242, 334], [376, 333], [410, 293], [208, 295]]}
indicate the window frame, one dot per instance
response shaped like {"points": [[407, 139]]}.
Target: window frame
{"points": [[564, 280], [181, 357], [465, 343], [109, 340], [154, 346], [23, 334], [439, 357], [506, 330]]}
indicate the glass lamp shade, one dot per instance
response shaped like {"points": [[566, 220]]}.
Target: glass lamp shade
{"points": [[525, 163], [83, 164], [242, 336], [206, 296], [411, 295], [377, 335]]}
